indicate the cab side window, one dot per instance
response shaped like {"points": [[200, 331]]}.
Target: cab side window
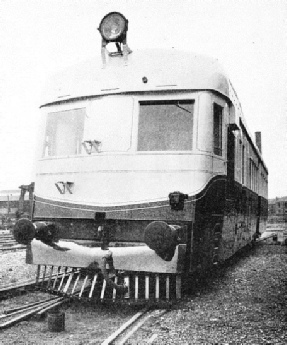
{"points": [[217, 129]]}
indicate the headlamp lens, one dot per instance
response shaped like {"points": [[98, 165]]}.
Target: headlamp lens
{"points": [[113, 26]]}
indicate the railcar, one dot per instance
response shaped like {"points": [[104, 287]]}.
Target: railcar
{"points": [[146, 172]]}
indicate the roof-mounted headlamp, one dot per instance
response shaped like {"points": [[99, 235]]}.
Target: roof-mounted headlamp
{"points": [[113, 28]]}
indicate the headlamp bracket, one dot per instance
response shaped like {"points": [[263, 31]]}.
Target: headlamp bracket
{"points": [[120, 39]]}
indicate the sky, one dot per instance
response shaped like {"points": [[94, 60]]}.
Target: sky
{"points": [[39, 38]]}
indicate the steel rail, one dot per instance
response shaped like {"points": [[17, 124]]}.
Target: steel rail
{"points": [[27, 308], [124, 333], [127, 324], [7, 290], [28, 313], [11, 249], [14, 310], [27, 283], [39, 308], [129, 332]]}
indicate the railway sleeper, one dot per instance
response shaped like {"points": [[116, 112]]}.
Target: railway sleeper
{"points": [[141, 287]]}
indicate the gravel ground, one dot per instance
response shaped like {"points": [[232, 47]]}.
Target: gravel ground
{"points": [[13, 268], [243, 302]]}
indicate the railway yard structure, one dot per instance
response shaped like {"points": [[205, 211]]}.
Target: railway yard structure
{"points": [[15, 203], [277, 218]]}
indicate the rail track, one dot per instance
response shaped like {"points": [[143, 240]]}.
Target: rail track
{"points": [[38, 309], [16, 315], [8, 243], [127, 331], [12, 248], [21, 287], [51, 300], [13, 316], [129, 328]]}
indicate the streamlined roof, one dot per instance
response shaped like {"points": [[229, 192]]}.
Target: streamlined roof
{"points": [[145, 70]]}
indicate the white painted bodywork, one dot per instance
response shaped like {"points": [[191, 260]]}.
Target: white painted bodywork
{"points": [[114, 178], [122, 179], [164, 70], [134, 177], [141, 258]]}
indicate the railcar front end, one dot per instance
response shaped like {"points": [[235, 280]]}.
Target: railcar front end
{"points": [[138, 177]]}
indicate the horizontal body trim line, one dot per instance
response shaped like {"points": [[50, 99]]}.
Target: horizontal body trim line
{"points": [[195, 152], [90, 208], [127, 171]]}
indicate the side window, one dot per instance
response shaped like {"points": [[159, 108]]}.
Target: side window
{"points": [[243, 165], [217, 129]]}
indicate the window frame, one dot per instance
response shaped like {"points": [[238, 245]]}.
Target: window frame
{"points": [[218, 150], [56, 110], [191, 97], [137, 97]]}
